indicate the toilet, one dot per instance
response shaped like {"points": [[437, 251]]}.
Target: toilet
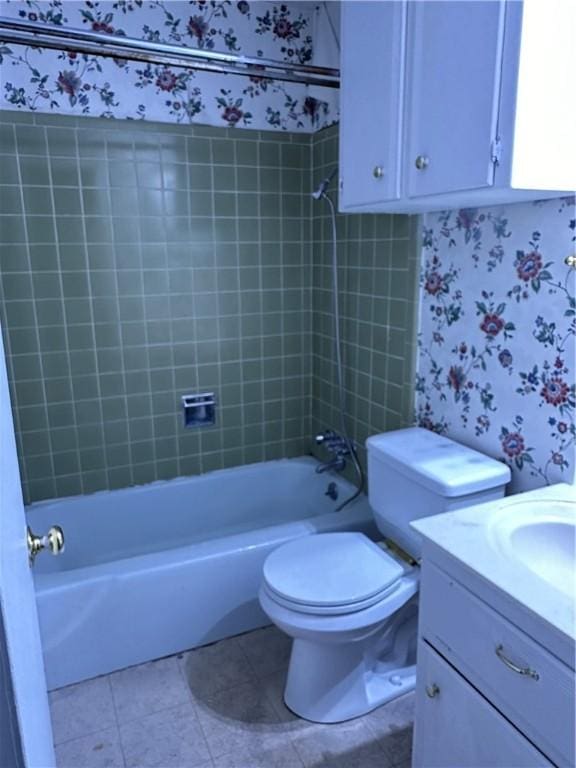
{"points": [[351, 604]]}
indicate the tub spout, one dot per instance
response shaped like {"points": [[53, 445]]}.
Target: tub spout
{"points": [[337, 464]]}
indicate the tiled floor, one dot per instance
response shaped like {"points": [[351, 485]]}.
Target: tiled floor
{"points": [[219, 707]]}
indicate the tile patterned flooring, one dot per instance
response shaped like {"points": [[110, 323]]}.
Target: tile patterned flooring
{"points": [[217, 707]]}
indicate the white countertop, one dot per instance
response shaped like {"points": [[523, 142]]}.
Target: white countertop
{"points": [[466, 535]]}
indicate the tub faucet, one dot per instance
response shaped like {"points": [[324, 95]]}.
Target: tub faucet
{"points": [[337, 446], [338, 463]]}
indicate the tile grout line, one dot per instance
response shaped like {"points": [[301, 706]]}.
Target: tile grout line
{"points": [[35, 313], [90, 297], [122, 372], [117, 721]]}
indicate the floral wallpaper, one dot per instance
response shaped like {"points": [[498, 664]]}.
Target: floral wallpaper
{"points": [[497, 341], [52, 81]]}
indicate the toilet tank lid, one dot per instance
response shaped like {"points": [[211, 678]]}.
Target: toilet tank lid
{"points": [[445, 467]]}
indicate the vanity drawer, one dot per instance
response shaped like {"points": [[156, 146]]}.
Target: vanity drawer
{"points": [[527, 684]]}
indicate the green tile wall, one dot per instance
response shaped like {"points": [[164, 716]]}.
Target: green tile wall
{"points": [[140, 262], [377, 258]]}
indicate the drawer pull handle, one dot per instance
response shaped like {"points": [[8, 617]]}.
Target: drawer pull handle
{"points": [[526, 671]]}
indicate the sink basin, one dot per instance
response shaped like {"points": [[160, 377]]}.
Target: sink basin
{"points": [[541, 536]]}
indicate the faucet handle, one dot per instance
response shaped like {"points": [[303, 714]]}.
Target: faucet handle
{"points": [[324, 437]]}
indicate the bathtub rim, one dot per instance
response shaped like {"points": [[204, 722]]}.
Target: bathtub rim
{"points": [[181, 480], [174, 557]]}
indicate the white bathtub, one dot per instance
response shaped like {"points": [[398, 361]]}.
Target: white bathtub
{"points": [[157, 569]]}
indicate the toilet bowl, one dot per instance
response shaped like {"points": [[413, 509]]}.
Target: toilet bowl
{"points": [[350, 608], [350, 604]]}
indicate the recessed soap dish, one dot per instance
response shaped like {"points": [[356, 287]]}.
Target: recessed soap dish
{"points": [[199, 410]]}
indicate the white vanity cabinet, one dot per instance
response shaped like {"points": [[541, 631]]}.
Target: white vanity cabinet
{"points": [[447, 103], [458, 728], [488, 695]]}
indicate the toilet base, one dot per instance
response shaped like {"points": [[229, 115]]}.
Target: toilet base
{"points": [[331, 683]]}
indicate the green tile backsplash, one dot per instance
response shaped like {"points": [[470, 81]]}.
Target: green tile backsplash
{"points": [[140, 262]]}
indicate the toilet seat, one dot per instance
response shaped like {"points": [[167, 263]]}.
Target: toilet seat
{"points": [[330, 574], [342, 626]]}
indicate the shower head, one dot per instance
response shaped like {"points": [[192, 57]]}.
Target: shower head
{"points": [[319, 193]]}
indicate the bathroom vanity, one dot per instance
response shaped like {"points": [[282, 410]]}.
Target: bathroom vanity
{"points": [[496, 679]]}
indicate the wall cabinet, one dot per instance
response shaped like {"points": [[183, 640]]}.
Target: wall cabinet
{"points": [[370, 125], [451, 101], [447, 103]]}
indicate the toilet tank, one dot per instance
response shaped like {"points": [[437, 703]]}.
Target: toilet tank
{"points": [[414, 473]]}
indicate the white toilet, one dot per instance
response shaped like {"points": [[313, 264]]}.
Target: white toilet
{"points": [[350, 604]]}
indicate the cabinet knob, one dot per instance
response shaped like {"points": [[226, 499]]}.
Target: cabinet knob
{"points": [[422, 162], [432, 691], [378, 172]]}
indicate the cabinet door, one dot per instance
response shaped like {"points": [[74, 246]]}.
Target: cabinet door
{"points": [[454, 67], [372, 70], [456, 727]]}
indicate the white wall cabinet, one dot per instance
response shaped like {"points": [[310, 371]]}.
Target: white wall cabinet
{"points": [[372, 122], [447, 103], [452, 111]]}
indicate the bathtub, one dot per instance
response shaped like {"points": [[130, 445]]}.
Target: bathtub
{"points": [[157, 569]]}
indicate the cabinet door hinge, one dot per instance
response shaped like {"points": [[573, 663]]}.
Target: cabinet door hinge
{"points": [[496, 150]]}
